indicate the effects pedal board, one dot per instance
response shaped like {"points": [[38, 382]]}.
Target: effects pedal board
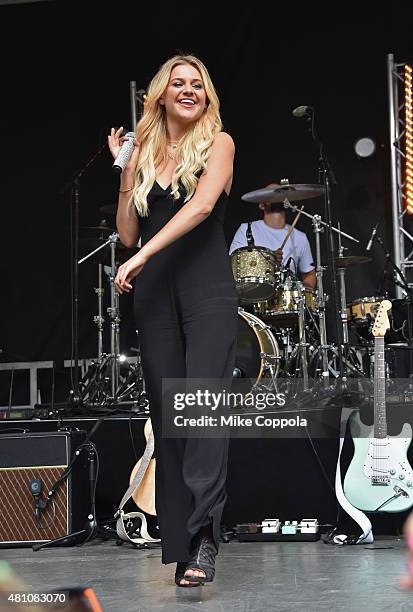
{"points": [[273, 530]]}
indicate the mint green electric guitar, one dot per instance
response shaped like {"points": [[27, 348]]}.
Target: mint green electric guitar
{"points": [[379, 477]]}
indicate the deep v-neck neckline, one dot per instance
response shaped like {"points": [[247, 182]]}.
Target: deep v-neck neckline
{"points": [[163, 188], [166, 188]]}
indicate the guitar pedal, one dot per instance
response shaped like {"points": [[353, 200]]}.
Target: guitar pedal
{"points": [[289, 528], [270, 526], [308, 526]]}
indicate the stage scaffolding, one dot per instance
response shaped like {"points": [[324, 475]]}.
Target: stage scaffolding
{"points": [[401, 162]]}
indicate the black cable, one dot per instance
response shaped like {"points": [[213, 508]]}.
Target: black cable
{"points": [[96, 453], [132, 438], [52, 409], [51, 521], [10, 393], [385, 502], [76, 454], [320, 463], [71, 293]]}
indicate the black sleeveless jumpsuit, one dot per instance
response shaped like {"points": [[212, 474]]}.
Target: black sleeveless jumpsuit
{"points": [[185, 306]]}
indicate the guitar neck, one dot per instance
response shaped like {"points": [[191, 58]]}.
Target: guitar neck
{"points": [[380, 418]]}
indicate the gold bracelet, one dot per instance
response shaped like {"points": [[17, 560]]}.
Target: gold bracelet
{"points": [[125, 190]]}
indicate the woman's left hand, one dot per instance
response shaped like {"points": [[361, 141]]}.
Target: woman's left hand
{"points": [[128, 271]]}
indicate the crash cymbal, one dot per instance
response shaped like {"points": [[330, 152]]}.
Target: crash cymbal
{"points": [[278, 193], [351, 260], [109, 209]]}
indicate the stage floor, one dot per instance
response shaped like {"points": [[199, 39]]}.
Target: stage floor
{"points": [[312, 576]]}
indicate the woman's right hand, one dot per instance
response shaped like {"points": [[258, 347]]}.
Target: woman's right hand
{"points": [[115, 141]]}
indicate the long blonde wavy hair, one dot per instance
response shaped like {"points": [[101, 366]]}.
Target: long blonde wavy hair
{"points": [[193, 149]]}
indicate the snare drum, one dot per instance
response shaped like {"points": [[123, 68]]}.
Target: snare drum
{"points": [[255, 272], [363, 311]]}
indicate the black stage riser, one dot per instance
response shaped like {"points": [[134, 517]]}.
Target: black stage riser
{"points": [[267, 478]]}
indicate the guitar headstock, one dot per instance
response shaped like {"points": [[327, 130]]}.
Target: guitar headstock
{"points": [[381, 323]]}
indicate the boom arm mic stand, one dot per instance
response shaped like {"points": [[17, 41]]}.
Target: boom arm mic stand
{"points": [[74, 186], [328, 178], [91, 526]]}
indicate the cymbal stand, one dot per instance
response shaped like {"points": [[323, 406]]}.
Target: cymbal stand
{"points": [[103, 383], [350, 357], [114, 317], [321, 300], [341, 272], [324, 348], [303, 357], [99, 318]]}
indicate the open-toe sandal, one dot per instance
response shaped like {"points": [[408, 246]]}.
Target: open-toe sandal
{"points": [[181, 568], [203, 559]]}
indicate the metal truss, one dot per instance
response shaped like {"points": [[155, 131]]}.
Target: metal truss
{"points": [[400, 133]]}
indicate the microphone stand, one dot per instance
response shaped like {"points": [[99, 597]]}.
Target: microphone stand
{"points": [[91, 528], [74, 186], [328, 178]]}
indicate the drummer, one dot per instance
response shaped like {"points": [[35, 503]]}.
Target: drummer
{"points": [[270, 232]]}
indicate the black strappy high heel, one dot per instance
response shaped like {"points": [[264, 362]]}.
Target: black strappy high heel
{"points": [[181, 568], [203, 559]]}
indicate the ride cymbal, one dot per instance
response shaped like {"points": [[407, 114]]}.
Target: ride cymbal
{"points": [[351, 260]]}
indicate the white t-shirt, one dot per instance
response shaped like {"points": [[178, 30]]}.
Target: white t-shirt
{"points": [[297, 245]]}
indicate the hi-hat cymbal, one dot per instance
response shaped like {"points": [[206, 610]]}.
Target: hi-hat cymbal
{"points": [[109, 209], [278, 193], [351, 260]]}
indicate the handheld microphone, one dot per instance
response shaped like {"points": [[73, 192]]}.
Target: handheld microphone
{"points": [[303, 111], [124, 154], [373, 233]]}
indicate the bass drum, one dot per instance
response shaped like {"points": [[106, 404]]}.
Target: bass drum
{"points": [[257, 355]]}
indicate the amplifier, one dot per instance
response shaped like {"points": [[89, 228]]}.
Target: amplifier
{"points": [[41, 457]]}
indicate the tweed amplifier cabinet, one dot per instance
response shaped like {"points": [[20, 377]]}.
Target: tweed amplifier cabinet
{"points": [[33, 461]]}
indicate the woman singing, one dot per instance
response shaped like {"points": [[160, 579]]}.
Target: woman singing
{"points": [[173, 195]]}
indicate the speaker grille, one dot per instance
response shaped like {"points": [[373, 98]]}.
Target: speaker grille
{"points": [[17, 517]]}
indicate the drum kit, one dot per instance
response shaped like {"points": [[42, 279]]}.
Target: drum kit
{"points": [[282, 334]]}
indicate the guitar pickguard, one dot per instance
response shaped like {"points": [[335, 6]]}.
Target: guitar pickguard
{"points": [[386, 458], [379, 475]]}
